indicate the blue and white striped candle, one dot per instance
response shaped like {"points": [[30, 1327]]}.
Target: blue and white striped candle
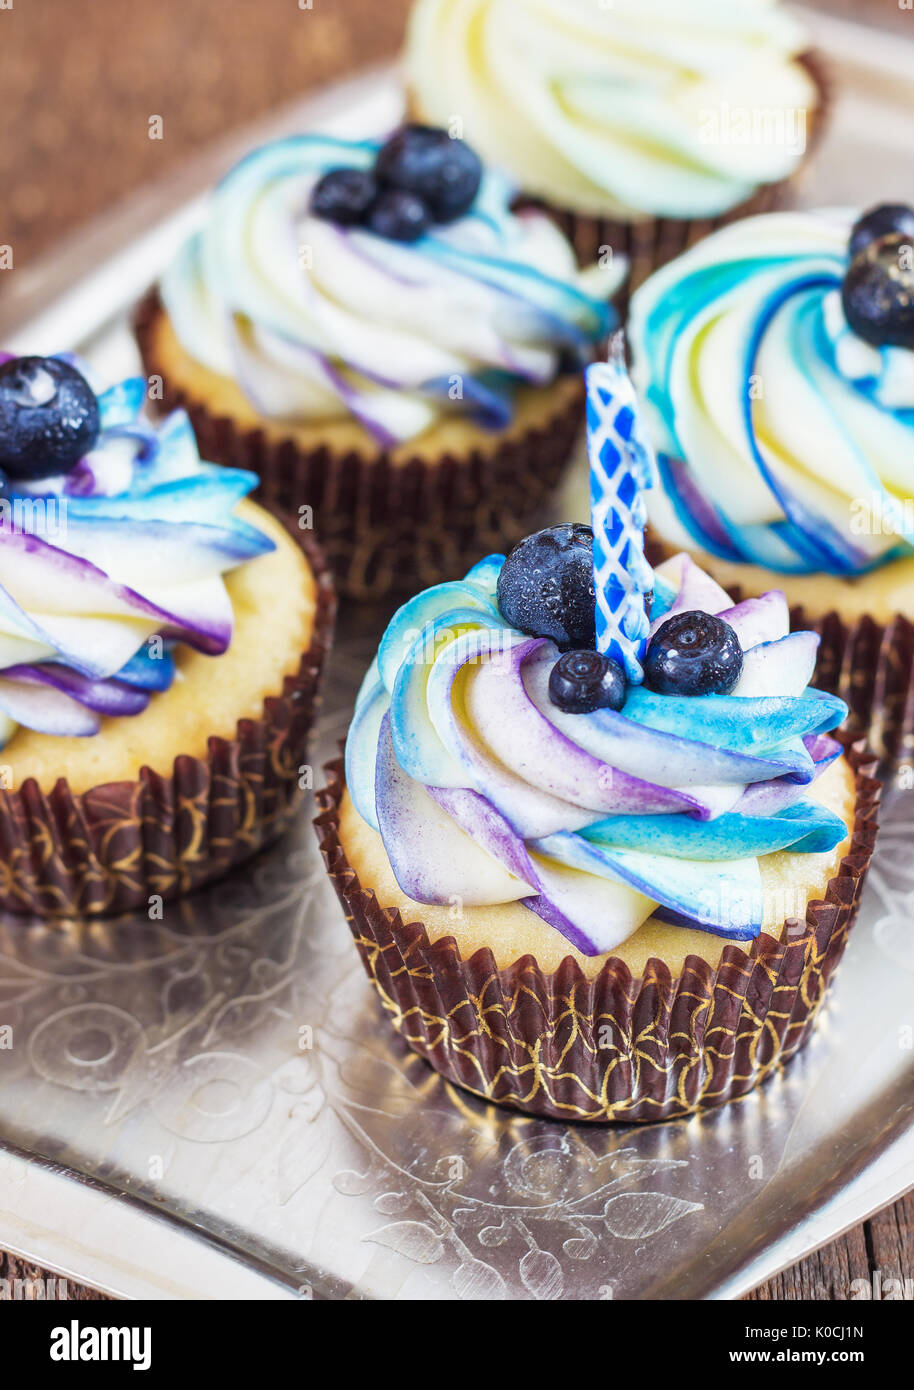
{"points": [[622, 468]]}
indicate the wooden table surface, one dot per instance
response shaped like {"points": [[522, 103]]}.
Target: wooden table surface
{"points": [[81, 79]]}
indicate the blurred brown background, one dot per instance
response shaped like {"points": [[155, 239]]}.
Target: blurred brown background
{"points": [[79, 80]]}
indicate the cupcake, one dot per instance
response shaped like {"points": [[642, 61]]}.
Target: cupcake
{"points": [[371, 328], [587, 887], [641, 124], [154, 698], [776, 361]]}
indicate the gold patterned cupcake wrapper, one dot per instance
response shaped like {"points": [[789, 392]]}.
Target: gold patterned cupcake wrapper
{"points": [[871, 666], [614, 1047], [112, 848], [385, 527]]}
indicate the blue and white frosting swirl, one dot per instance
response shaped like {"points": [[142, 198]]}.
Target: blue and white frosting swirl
{"points": [[784, 439], [130, 545], [317, 322], [485, 792]]}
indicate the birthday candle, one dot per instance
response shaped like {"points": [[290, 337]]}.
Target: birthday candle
{"points": [[622, 468]]}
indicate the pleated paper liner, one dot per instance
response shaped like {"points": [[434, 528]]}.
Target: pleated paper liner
{"points": [[653, 242], [107, 850], [614, 1047], [869, 664], [390, 528], [650, 244]]}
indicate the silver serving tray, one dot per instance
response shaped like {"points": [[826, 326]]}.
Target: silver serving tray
{"points": [[214, 1106]]}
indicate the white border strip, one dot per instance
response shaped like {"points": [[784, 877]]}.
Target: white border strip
{"points": [[89, 1236]]}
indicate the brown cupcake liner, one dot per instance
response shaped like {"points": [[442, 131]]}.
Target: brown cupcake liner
{"points": [[109, 849], [614, 1047], [653, 242], [869, 665], [389, 528], [650, 244]]}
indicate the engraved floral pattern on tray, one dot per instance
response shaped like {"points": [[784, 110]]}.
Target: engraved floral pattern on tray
{"points": [[231, 1064], [165, 1027]]}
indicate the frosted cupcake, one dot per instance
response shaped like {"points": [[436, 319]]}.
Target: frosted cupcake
{"points": [[370, 328], [776, 361], [642, 123], [154, 698], [589, 888]]}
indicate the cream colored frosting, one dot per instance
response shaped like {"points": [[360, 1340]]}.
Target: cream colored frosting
{"points": [[627, 108]]}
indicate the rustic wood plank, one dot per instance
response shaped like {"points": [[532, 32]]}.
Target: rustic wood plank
{"points": [[824, 1276], [882, 1246], [892, 1243], [22, 1281]]}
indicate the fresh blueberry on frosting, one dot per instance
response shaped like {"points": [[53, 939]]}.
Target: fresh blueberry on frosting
{"points": [[344, 196], [444, 172], [48, 417], [583, 681], [885, 220], [878, 292], [421, 176], [545, 587], [398, 215], [693, 653]]}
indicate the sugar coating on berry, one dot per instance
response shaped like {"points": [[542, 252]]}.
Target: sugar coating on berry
{"points": [[545, 587], [49, 417]]}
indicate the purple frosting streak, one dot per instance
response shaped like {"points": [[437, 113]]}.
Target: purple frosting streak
{"points": [[103, 696], [547, 909]]}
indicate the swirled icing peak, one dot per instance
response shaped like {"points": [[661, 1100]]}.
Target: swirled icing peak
{"points": [[321, 321], [128, 546], [783, 438], [631, 109], [485, 791]]}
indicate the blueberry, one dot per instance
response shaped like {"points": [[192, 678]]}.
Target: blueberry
{"points": [[879, 222], [693, 654], [444, 172], [878, 293], [580, 682], [344, 196], [48, 417], [398, 215], [545, 587]]}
